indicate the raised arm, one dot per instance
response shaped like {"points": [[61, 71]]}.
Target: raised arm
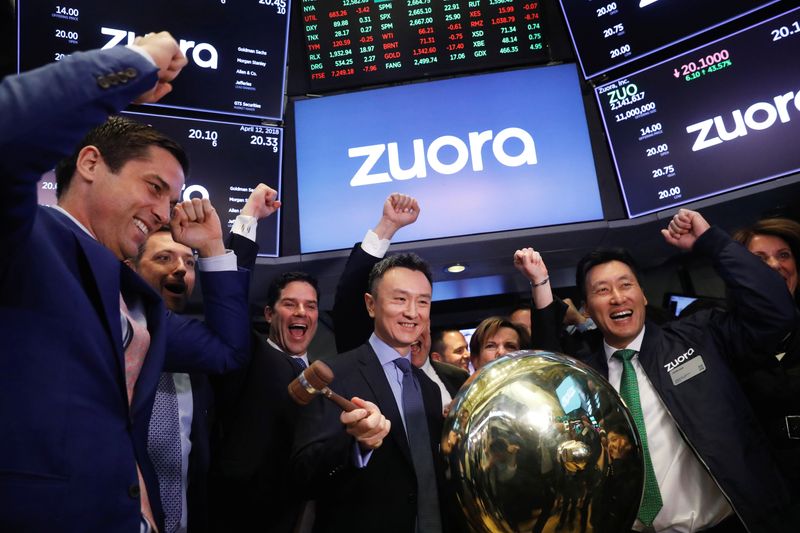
{"points": [[44, 114], [547, 314], [352, 323], [763, 311], [221, 343], [261, 203]]}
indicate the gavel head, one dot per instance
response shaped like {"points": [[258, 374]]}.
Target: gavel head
{"points": [[310, 382]]}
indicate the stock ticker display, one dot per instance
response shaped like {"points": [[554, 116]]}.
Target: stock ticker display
{"points": [[226, 161], [714, 119], [607, 34], [351, 43], [236, 50]]}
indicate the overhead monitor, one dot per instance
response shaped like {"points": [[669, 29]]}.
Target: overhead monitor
{"points": [[226, 161], [352, 43], [607, 34], [714, 119], [481, 153], [236, 50]]}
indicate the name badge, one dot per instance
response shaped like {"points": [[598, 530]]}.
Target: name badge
{"points": [[687, 370]]}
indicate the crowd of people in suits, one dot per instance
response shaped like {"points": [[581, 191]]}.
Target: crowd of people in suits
{"points": [[124, 415]]}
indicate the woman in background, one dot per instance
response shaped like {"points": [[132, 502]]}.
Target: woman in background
{"points": [[493, 338], [772, 380]]}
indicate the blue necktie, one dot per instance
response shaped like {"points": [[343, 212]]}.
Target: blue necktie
{"points": [[164, 447], [428, 517], [299, 364]]}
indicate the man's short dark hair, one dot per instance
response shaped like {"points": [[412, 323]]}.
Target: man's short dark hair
{"points": [[282, 280], [601, 256], [119, 140], [410, 261], [437, 339]]}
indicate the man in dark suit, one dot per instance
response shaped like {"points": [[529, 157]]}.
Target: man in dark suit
{"points": [[253, 485], [693, 420], [396, 487], [85, 338], [178, 441], [352, 323]]}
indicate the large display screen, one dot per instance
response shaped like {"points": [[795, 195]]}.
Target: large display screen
{"points": [[481, 153], [608, 33], [236, 50], [711, 120], [226, 162], [352, 43]]}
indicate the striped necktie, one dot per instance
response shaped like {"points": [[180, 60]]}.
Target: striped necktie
{"points": [[629, 390]]}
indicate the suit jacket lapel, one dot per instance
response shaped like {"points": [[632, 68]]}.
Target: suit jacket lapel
{"points": [[651, 344], [105, 269], [375, 378], [432, 399]]}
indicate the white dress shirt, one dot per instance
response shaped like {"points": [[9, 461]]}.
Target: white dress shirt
{"points": [[431, 373], [691, 499], [303, 356]]}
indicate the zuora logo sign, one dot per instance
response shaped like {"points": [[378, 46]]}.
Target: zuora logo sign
{"points": [[471, 150], [759, 116], [203, 54]]}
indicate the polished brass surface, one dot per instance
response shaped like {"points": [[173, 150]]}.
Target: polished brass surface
{"points": [[539, 442]]}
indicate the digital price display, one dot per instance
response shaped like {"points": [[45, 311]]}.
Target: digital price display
{"points": [[236, 50], [226, 162], [360, 42], [714, 119], [607, 34]]}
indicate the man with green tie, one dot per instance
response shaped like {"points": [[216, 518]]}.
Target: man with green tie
{"points": [[706, 463]]}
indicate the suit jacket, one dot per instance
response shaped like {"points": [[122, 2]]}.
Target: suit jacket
{"points": [[452, 376], [200, 454], [71, 441], [197, 492], [383, 495], [352, 324], [253, 489], [710, 408]]}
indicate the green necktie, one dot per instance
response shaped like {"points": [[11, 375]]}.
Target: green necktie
{"points": [[629, 390]]}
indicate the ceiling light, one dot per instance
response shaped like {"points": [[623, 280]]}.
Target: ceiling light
{"points": [[456, 268]]}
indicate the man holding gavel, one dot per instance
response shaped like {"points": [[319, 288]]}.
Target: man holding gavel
{"points": [[257, 418], [396, 478]]}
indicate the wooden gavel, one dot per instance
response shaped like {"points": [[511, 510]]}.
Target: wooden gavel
{"points": [[315, 380]]}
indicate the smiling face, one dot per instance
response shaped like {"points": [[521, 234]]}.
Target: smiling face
{"points": [[615, 302], [401, 307], [293, 318], [169, 268], [776, 253], [122, 208], [455, 349], [505, 340]]}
